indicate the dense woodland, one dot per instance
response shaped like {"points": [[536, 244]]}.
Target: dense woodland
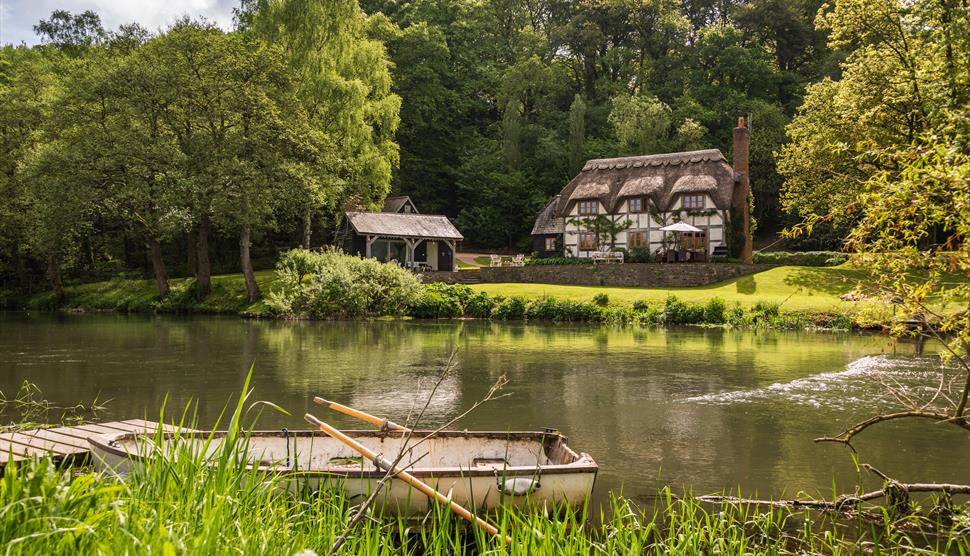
{"points": [[197, 150]]}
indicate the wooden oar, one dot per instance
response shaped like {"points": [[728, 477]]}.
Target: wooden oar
{"points": [[346, 410], [382, 463]]}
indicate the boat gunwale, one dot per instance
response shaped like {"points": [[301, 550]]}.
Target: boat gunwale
{"points": [[584, 462]]}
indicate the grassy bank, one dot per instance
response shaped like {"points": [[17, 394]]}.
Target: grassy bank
{"points": [[141, 296], [795, 288]]}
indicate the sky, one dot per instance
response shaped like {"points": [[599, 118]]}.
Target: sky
{"points": [[18, 17]]}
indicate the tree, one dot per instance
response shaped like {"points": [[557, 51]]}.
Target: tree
{"points": [[242, 138], [883, 152], [641, 123], [605, 228], [70, 33], [344, 84], [896, 85], [26, 94], [577, 133]]}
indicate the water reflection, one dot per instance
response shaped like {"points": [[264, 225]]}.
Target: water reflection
{"points": [[700, 408]]}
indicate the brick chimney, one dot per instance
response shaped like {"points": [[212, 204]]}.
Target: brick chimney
{"points": [[742, 189]]}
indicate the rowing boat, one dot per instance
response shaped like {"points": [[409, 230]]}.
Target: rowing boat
{"points": [[482, 470]]}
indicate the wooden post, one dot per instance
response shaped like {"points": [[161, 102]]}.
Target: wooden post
{"points": [[370, 241]]}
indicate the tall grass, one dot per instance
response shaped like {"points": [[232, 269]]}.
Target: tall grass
{"points": [[192, 499]]}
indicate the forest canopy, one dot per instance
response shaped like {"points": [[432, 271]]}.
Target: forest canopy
{"points": [[199, 149]]}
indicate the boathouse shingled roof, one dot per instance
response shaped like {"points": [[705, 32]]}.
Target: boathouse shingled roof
{"points": [[394, 204], [390, 224], [660, 177]]}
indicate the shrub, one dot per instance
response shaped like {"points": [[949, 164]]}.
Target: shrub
{"points": [[641, 306], [329, 283], [562, 310], [558, 260], [766, 308], [714, 311], [431, 304], [680, 312], [601, 299], [480, 306], [639, 255], [509, 308], [803, 258]]}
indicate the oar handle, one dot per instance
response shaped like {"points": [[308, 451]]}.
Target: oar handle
{"points": [[346, 410], [405, 476]]}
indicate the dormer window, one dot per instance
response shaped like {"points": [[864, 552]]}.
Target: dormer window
{"points": [[636, 204], [588, 207], [693, 201]]}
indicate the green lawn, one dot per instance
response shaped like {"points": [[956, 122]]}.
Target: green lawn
{"points": [[796, 288]]}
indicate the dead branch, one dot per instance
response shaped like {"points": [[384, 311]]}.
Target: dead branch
{"points": [[843, 502], [845, 437]]}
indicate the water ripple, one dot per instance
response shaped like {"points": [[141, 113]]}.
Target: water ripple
{"points": [[863, 380]]}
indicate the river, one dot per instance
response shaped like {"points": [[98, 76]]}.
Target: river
{"points": [[698, 409]]}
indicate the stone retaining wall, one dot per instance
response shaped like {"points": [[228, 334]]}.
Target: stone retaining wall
{"points": [[643, 275]]}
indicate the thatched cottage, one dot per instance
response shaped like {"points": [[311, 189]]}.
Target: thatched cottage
{"points": [[650, 192]]}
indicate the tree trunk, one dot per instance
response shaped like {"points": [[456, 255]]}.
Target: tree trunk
{"points": [[252, 288], [20, 267], [158, 266], [192, 259], [307, 228], [54, 275], [203, 275]]}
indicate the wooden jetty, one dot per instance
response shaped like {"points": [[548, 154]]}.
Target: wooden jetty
{"points": [[65, 444]]}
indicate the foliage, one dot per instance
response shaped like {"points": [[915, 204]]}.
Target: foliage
{"points": [[440, 301], [509, 308], [638, 255], [328, 283], [801, 258], [602, 299], [677, 311]]}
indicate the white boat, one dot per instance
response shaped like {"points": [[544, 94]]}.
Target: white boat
{"points": [[481, 470]]}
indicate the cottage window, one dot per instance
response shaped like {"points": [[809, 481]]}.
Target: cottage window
{"points": [[550, 244], [636, 239], [588, 207], [636, 204], [693, 201], [587, 242]]}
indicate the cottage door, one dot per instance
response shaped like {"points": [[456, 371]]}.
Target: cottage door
{"points": [[432, 255]]}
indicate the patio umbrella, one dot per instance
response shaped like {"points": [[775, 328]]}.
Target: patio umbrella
{"points": [[680, 227]]}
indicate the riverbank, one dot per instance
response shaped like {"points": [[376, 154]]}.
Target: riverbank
{"points": [[794, 288], [800, 296]]}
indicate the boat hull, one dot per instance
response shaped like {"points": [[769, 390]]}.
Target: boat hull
{"points": [[566, 479]]}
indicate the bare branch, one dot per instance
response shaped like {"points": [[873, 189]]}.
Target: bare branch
{"points": [[845, 437]]}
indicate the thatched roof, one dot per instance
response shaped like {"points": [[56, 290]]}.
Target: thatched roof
{"points": [[660, 177], [395, 204], [546, 222], [390, 224]]}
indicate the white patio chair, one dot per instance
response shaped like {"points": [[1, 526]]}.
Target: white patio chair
{"points": [[494, 260]]}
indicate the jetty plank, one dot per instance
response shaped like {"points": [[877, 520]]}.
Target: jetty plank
{"points": [[67, 443]]}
